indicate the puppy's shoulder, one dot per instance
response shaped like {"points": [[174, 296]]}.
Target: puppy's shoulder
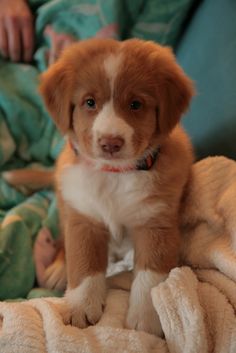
{"points": [[178, 147], [180, 141], [176, 156]]}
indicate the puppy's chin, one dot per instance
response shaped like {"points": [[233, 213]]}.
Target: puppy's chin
{"points": [[114, 160], [116, 156], [122, 157], [119, 160]]}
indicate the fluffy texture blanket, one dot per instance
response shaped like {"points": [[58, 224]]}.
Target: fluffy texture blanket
{"points": [[196, 303], [197, 313]]}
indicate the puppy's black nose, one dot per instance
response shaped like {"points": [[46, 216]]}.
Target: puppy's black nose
{"points": [[111, 144]]}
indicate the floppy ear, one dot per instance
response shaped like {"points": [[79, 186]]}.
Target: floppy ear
{"points": [[56, 88], [175, 93]]}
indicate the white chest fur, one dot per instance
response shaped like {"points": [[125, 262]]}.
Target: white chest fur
{"points": [[116, 199]]}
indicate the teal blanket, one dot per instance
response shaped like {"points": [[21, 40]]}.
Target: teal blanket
{"points": [[28, 136]]}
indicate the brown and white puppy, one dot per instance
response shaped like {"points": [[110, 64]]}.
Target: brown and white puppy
{"points": [[123, 169]]}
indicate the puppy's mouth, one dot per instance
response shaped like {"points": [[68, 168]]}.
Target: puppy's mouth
{"points": [[110, 156], [113, 163], [125, 155]]}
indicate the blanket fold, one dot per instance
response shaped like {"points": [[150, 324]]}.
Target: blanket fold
{"points": [[196, 310]]}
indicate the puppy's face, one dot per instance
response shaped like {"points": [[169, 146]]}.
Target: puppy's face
{"points": [[116, 99]]}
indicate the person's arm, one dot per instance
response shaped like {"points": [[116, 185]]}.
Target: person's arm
{"points": [[16, 30]]}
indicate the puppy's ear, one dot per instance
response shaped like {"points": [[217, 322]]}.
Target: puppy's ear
{"points": [[175, 92], [56, 88]]}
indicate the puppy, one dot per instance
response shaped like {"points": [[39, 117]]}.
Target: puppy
{"points": [[123, 169]]}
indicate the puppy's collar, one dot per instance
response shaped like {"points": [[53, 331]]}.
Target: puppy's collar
{"points": [[144, 163]]}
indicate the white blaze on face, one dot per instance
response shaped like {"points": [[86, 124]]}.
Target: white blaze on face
{"points": [[112, 65], [107, 121]]}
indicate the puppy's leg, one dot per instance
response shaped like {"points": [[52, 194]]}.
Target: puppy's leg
{"points": [[86, 257], [156, 251]]}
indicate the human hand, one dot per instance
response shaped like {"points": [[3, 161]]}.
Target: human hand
{"points": [[58, 41], [16, 30]]}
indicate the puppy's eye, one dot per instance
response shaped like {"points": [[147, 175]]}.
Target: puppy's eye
{"points": [[135, 105], [90, 103]]}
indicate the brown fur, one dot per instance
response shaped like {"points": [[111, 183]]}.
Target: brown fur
{"points": [[165, 92], [87, 247], [157, 242]]}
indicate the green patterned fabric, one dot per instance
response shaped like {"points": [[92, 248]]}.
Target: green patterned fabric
{"points": [[28, 136]]}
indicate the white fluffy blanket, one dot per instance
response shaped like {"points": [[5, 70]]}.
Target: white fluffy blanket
{"points": [[196, 304]]}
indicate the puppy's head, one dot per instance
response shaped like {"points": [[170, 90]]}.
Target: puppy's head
{"points": [[116, 99]]}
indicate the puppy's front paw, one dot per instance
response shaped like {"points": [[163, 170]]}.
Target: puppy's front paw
{"points": [[142, 315], [87, 301]]}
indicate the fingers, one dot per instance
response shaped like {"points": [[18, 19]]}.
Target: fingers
{"points": [[58, 41], [3, 40], [17, 39], [14, 39], [27, 39], [57, 48], [16, 30], [53, 50]]}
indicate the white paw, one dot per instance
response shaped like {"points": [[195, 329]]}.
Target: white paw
{"points": [[87, 301], [142, 315], [55, 276]]}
